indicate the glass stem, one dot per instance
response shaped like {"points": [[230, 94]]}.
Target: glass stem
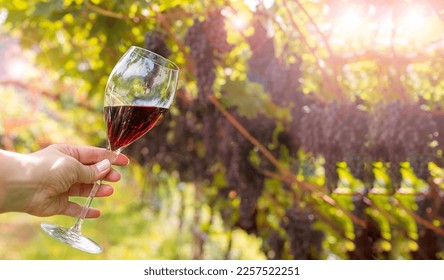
{"points": [[77, 227]]}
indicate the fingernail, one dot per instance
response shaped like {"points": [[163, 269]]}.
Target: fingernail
{"points": [[103, 165]]}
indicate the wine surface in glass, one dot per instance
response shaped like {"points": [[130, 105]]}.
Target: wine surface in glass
{"points": [[127, 123]]}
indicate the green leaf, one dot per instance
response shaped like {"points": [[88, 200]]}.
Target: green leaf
{"points": [[249, 98], [46, 8]]}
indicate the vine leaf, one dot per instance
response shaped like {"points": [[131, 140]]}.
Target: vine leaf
{"points": [[248, 97], [46, 8]]}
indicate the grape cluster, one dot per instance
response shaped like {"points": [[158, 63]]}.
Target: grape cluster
{"points": [[206, 40], [309, 132], [215, 31], [280, 80], [366, 239], [391, 133], [202, 53], [243, 176], [304, 240], [274, 245], [400, 132], [337, 132], [232, 149], [155, 41], [429, 206]]}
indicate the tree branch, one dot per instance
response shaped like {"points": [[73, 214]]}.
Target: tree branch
{"points": [[323, 38], [104, 12], [291, 179], [420, 220], [334, 87]]}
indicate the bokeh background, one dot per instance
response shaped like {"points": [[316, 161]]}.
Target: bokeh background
{"points": [[302, 129]]}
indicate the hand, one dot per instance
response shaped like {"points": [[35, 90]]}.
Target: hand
{"points": [[42, 182]]}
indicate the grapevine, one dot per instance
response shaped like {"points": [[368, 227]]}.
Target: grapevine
{"points": [[199, 143]]}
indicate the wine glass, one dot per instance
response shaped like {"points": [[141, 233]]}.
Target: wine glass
{"points": [[139, 91]]}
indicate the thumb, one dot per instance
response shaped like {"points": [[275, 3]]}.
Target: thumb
{"points": [[92, 173]]}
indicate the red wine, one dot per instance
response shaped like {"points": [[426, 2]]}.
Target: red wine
{"points": [[128, 123]]}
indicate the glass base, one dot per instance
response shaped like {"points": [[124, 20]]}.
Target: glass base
{"points": [[72, 237]]}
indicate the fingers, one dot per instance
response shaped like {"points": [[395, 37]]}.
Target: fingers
{"points": [[92, 163], [121, 160], [83, 190], [74, 210], [112, 176], [91, 155], [92, 173], [101, 170]]}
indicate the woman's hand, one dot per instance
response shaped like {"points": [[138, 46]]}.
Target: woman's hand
{"points": [[42, 182]]}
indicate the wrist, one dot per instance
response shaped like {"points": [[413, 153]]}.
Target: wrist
{"points": [[16, 181]]}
